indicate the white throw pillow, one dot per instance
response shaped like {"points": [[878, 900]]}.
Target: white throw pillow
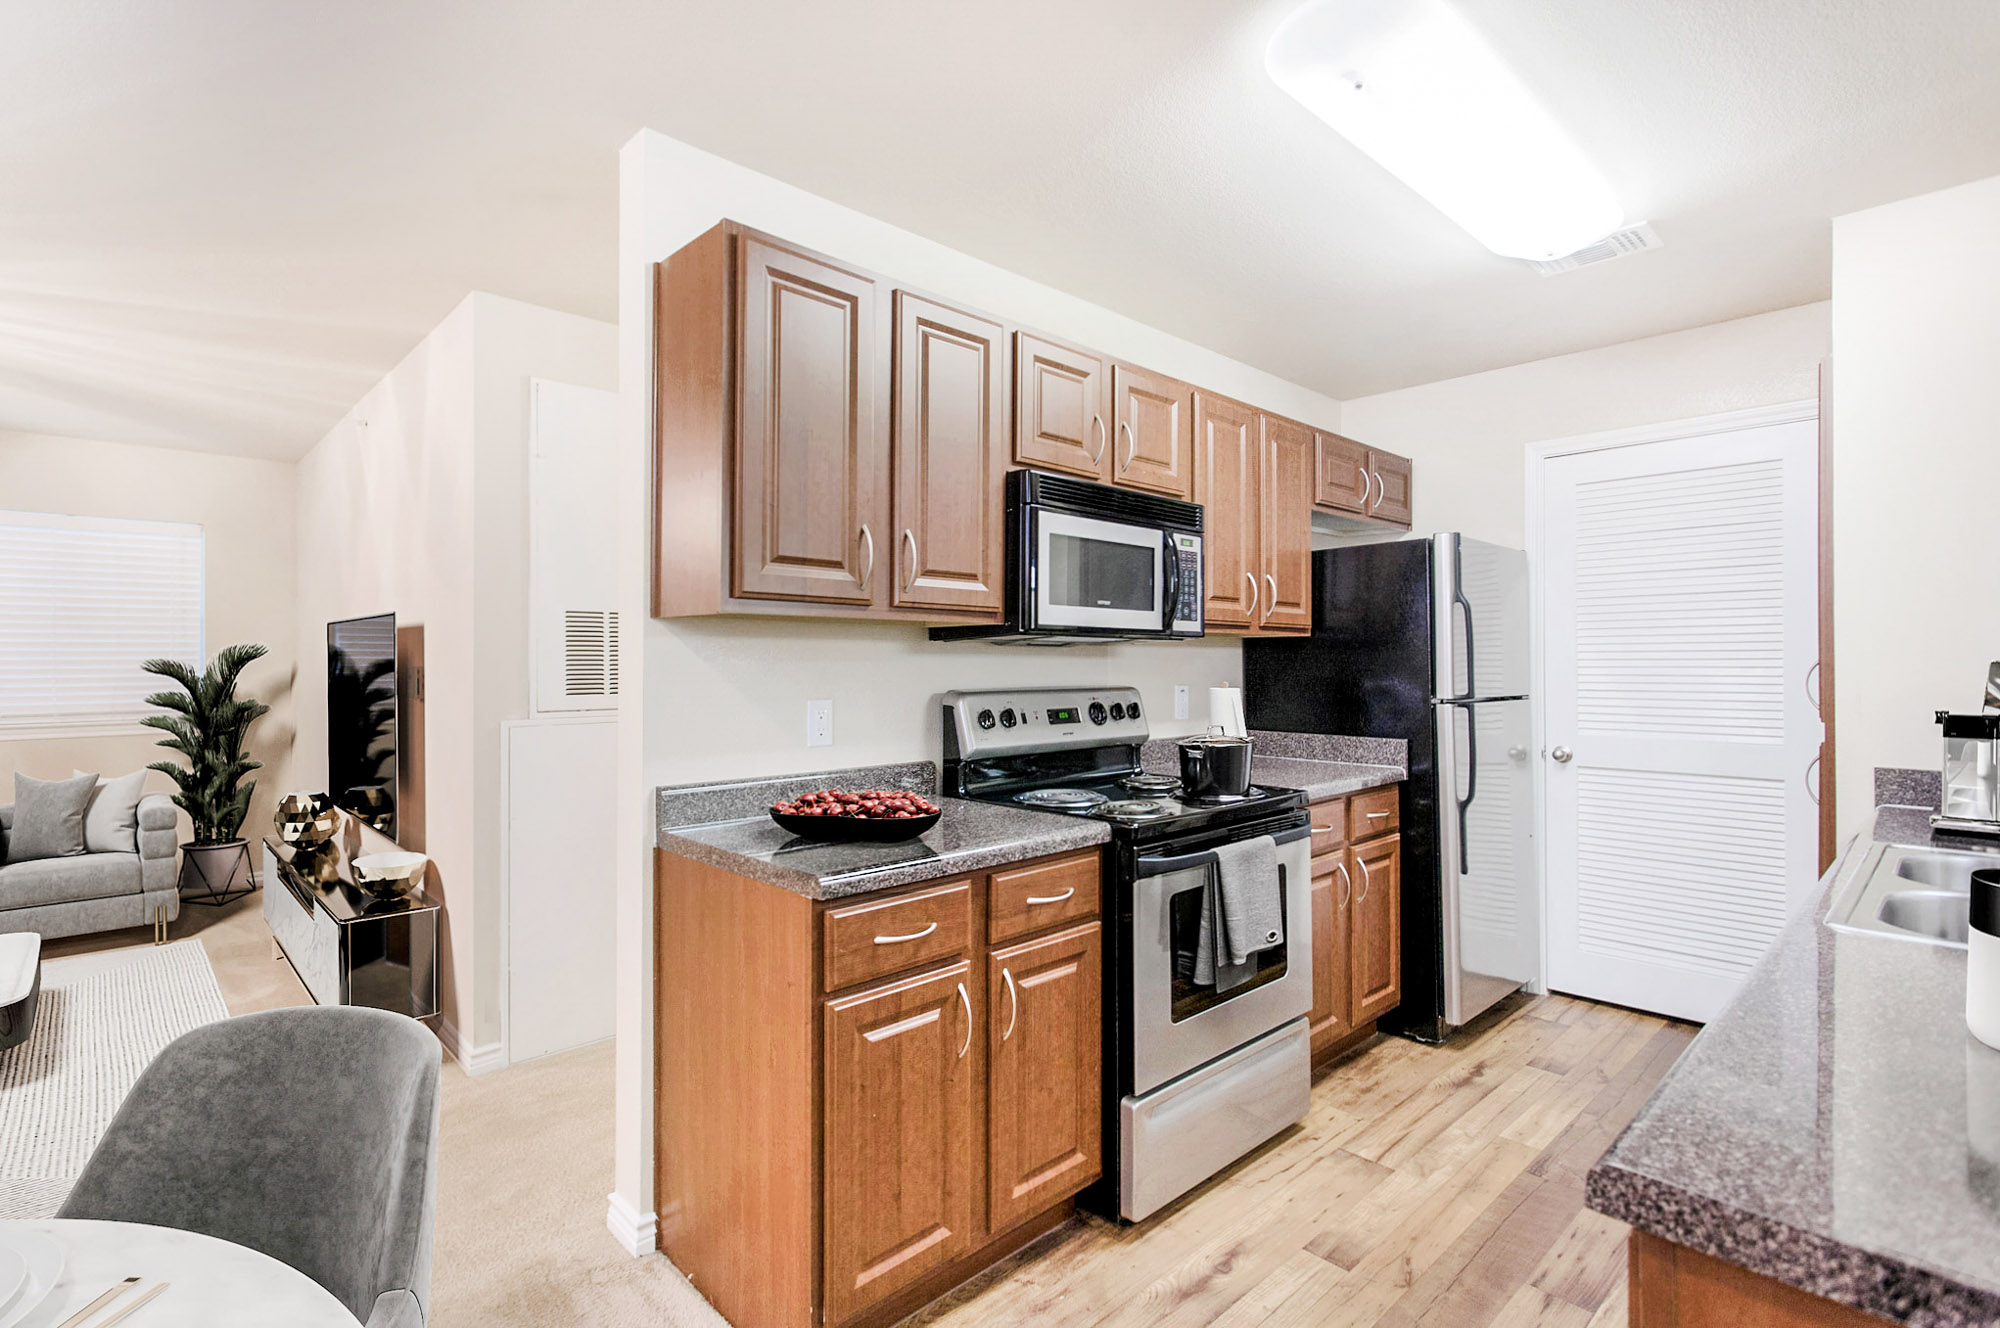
{"points": [[111, 823]]}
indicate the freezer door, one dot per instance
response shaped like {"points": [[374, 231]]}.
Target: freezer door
{"points": [[1491, 897], [1481, 617]]}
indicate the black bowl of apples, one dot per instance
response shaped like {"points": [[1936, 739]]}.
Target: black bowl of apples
{"points": [[880, 816]]}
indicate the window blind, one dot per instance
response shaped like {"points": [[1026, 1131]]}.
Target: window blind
{"points": [[83, 601]]}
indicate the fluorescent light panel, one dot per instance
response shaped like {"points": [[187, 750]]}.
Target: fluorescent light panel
{"points": [[1413, 84]]}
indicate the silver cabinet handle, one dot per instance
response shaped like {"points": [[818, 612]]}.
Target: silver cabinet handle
{"points": [[913, 936], [1347, 882], [1812, 792], [1377, 816], [1013, 1002], [1379, 490], [1561, 754], [1252, 577], [1131, 445], [1364, 488], [868, 542], [966, 1001], [1272, 603], [1812, 695], [910, 576], [1367, 879], [1052, 899], [1097, 423]]}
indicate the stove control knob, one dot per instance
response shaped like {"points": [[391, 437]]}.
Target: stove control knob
{"points": [[1007, 718], [1097, 714], [1132, 710], [986, 719], [1118, 710]]}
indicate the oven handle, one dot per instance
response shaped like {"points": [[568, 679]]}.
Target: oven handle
{"points": [[1166, 866]]}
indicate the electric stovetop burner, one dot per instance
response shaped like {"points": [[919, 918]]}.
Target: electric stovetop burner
{"points": [[1148, 783], [1062, 799], [1135, 809]]}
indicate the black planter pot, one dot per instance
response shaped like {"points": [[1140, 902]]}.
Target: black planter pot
{"points": [[216, 873]]}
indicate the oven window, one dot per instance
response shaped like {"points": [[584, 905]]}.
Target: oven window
{"points": [[1087, 573], [1184, 932]]}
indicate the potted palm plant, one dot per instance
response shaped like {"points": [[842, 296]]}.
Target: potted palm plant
{"points": [[205, 723]]}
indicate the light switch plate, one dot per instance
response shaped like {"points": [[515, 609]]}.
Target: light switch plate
{"points": [[819, 723], [1180, 701]]}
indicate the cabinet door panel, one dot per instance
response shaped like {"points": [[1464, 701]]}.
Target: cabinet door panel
{"points": [[1285, 498], [1150, 447], [1225, 484], [950, 456], [1332, 893], [1391, 474], [1061, 413], [810, 460], [1377, 957], [898, 1089], [1341, 471], [1044, 1138]]}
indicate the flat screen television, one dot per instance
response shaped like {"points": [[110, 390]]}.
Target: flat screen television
{"points": [[361, 718]]}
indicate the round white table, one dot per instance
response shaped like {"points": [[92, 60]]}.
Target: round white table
{"points": [[213, 1283]]}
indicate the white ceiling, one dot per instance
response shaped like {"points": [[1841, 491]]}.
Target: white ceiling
{"points": [[221, 222]]}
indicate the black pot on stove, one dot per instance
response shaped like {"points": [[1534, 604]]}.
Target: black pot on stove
{"points": [[1215, 766]]}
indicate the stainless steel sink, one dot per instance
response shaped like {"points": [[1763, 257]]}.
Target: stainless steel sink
{"points": [[1908, 893]]}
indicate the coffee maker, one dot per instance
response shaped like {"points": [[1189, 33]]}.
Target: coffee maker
{"points": [[1971, 803]]}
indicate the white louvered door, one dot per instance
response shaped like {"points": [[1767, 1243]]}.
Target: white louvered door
{"points": [[1680, 619]]}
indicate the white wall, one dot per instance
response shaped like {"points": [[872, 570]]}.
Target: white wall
{"points": [[244, 508], [721, 698], [416, 503], [1916, 350], [1469, 436]]}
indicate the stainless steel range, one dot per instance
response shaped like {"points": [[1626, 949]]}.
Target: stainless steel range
{"points": [[1196, 1074]]}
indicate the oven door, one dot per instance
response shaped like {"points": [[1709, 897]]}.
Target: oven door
{"points": [[1178, 1025], [1096, 575]]}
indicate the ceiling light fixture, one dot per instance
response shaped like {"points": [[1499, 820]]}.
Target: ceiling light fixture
{"points": [[1413, 84]]}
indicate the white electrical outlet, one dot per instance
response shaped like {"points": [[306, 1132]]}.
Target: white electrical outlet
{"points": [[1180, 701], [819, 723]]}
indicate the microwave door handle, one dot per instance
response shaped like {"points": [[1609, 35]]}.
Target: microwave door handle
{"points": [[1169, 611]]}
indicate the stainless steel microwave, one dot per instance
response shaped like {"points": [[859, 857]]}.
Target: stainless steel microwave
{"points": [[1087, 562]]}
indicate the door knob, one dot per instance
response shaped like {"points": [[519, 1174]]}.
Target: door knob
{"points": [[1562, 754]]}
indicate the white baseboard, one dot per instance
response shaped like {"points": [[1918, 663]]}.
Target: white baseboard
{"points": [[637, 1233], [476, 1060]]}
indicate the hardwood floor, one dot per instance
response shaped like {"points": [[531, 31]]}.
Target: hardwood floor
{"points": [[1434, 1186]]}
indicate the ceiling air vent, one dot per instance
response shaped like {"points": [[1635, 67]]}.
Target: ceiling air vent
{"points": [[590, 652], [1615, 245]]}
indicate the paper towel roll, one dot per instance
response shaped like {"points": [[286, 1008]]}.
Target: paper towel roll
{"points": [[1225, 708]]}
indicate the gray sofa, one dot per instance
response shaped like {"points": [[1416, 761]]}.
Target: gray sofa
{"points": [[95, 891]]}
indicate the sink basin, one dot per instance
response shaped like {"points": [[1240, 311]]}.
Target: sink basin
{"points": [[1908, 893]]}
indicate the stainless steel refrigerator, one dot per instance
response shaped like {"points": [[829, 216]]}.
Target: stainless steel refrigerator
{"points": [[1427, 640]]}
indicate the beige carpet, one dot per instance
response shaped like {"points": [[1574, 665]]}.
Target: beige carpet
{"points": [[524, 1166]]}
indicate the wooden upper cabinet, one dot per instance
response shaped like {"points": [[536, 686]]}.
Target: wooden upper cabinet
{"points": [[1391, 476], [1062, 408], [897, 1104], [1226, 485], [1044, 1083], [1285, 499], [1376, 959], [950, 450], [810, 510], [1151, 446], [1341, 482]]}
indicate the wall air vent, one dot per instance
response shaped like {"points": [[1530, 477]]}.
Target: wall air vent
{"points": [[1630, 240], [590, 652]]}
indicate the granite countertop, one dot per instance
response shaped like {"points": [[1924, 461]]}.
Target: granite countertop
{"points": [[1836, 1128], [728, 826], [1319, 767]]}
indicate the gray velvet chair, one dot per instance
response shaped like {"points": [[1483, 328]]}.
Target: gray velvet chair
{"points": [[309, 1134]]}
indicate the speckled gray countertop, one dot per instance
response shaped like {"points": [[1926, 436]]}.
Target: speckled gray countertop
{"points": [[1319, 767], [1836, 1128], [727, 825]]}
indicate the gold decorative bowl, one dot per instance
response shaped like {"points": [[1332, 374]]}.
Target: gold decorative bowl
{"points": [[389, 875], [306, 820]]}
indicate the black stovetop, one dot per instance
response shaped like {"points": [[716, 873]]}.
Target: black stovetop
{"points": [[1146, 814]]}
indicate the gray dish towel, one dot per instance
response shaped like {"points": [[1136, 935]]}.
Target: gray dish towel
{"points": [[1242, 913]]}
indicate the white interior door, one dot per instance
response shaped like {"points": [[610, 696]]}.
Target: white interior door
{"points": [[561, 909], [1680, 619]]}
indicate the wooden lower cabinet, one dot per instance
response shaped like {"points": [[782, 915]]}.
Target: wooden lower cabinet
{"points": [[1043, 1085], [898, 1087], [1357, 925], [1672, 1286], [861, 1103]]}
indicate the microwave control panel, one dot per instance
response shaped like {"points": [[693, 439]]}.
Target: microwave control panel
{"points": [[1187, 606]]}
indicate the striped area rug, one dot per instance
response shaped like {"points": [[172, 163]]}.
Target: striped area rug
{"points": [[93, 1034]]}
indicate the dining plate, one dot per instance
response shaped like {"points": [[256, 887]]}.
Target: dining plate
{"points": [[13, 1273], [44, 1260]]}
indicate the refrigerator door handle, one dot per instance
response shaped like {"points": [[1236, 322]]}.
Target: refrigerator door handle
{"points": [[1451, 834], [1471, 786], [1459, 601]]}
